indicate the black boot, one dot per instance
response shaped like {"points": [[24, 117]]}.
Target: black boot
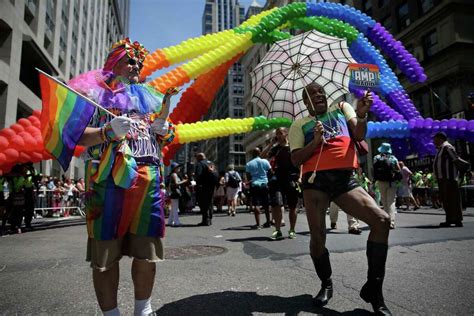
{"points": [[371, 292], [323, 269]]}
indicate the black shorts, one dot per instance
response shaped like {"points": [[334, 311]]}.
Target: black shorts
{"points": [[259, 195], [332, 182], [284, 194]]}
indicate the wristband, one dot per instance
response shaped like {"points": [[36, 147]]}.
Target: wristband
{"points": [[360, 119], [109, 133], [102, 134]]}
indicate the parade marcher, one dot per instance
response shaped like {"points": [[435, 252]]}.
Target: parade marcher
{"points": [[257, 170], [176, 189], [16, 198], [124, 205], [387, 173], [220, 196], [405, 188], [352, 222], [232, 181], [207, 179], [29, 187], [283, 182], [322, 143], [445, 167]]}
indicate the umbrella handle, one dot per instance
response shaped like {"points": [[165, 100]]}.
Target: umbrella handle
{"points": [[313, 175]]}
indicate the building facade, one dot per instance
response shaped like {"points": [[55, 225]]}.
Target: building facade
{"points": [[249, 61], [440, 34], [63, 38], [220, 15]]}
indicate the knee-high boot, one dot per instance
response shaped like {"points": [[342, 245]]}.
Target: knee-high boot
{"points": [[323, 270], [372, 290]]}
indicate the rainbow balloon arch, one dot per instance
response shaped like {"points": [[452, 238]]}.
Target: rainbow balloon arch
{"points": [[207, 59]]}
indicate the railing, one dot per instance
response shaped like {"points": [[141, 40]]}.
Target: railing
{"points": [[53, 203]]}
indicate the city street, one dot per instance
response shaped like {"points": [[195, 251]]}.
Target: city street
{"points": [[230, 269]]}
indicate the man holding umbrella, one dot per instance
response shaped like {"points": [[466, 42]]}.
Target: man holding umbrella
{"points": [[322, 143]]}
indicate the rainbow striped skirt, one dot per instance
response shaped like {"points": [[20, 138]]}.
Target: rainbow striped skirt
{"points": [[112, 211]]}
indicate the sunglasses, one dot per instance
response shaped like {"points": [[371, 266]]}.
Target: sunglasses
{"points": [[133, 62]]}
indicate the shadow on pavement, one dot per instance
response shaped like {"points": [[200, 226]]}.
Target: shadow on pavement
{"points": [[259, 238], [238, 228], [247, 303]]}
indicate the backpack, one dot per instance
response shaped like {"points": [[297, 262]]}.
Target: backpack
{"points": [[210, 175], [385, 170], [233, 181]]}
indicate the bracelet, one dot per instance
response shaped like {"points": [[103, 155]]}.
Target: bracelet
{"points": [[109, 133], [102, 134], [362, 118]]}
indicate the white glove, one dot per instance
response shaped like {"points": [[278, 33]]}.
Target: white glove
{"points": [[160, 126], [121, 125]]}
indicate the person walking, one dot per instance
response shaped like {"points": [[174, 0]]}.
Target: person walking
{"points": [[322, 143], [232, 182], [220, 194], [257, 170], [387, 173], [176, 191], [207, 178], [283, 182], [405, 188], [445, 168]]}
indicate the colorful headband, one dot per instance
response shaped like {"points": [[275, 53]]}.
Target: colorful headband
{"points": [[122, 48]]}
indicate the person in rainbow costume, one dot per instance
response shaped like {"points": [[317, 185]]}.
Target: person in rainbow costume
{"points": [[124, 204]]}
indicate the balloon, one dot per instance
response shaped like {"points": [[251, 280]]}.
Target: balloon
{"points": [[24, 122], [17, 128], [3, 142], [7, 132], [17, 142], [11, 154]]}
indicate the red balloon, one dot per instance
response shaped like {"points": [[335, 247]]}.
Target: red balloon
{"points": [[37, 113], [24, 122], [7, 132], [3, 142], [17, 142], [23, 158], [35, 121], [36, 157], [30, 142], [3, 158], [11, 154], [17, 128], [32, 130]]}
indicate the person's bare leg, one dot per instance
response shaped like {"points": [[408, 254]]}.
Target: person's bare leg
{"points": [[143, 276], [257, 215], [106, 287], [293, 216], [316, 203], [361, 205], [277, 216]]}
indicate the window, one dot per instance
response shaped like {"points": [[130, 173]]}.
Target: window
{"points": [[237, 78], [403, 16], [238, 138], [238, 147], [238, 101], [238, 113], [430, 43], [426, 5], [239, 159], [387, 23], [368, 7], [238, 90], [237, 67]]}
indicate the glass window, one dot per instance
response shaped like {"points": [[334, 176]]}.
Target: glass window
{"points": [[426, 5], [237, 78], [238, 147], [387, 22], [403, 16], [238, 90], [430, 43], [238, 113], [238, 101]]}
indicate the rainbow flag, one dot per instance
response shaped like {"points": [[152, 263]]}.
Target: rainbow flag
{"points": [[64, 118]]}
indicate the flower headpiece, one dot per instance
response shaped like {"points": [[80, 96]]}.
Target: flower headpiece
{"points": [[133, 50], [122, 48]]}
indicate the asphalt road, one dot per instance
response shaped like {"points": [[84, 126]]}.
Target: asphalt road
{"points": [[230, 269]]}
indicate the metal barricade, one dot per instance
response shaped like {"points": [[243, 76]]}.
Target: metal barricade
{"points": [[55, 203]]}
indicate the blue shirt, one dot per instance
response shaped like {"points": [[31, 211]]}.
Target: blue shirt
{"points": [[258, 169]]}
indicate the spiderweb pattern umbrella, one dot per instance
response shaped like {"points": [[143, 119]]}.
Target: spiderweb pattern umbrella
{"points": [[279, 80]]}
